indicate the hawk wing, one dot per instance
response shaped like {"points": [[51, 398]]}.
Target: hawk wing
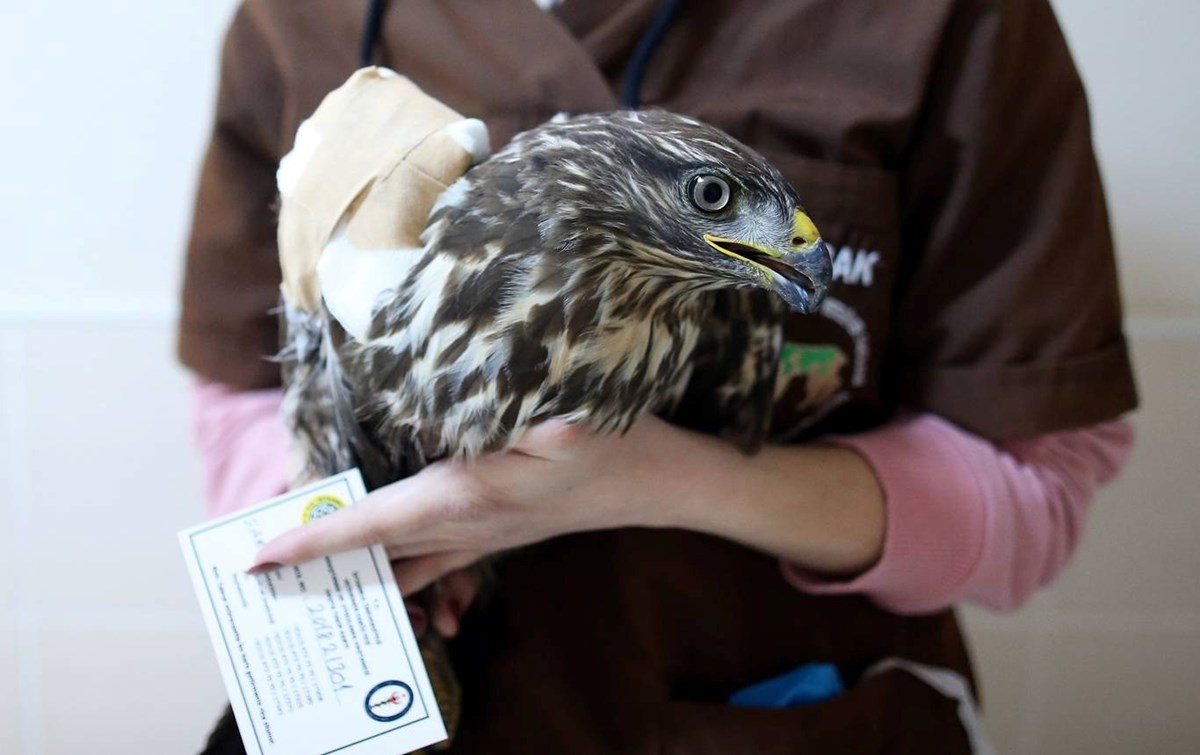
{"points": [[320, 407]]}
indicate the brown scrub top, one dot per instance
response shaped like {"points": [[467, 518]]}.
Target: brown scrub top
{"points": [[943, 148]]}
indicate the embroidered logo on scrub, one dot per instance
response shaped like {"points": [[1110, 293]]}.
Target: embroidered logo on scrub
{"points": [[322, 505], [816, 378], [821, 367]]}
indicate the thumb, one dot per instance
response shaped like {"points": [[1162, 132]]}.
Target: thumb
{"points": [[415, 574]]}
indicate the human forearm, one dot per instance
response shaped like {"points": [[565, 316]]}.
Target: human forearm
{"points": [[818, 506], [971, 520], [963, 519]]}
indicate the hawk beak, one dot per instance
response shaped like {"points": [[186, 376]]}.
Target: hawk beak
{"points": [[799, 273]]}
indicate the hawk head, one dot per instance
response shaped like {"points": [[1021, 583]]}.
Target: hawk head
{"points": [[672, 194]]}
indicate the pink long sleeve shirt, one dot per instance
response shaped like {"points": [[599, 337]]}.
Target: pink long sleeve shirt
{"points": [[970, 520], [966, 519]]}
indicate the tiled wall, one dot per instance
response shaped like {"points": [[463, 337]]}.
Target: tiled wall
{"points": [[101, 646], [1108, 659]]}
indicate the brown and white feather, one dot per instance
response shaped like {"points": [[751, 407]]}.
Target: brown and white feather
{"points": [[550, 283]]}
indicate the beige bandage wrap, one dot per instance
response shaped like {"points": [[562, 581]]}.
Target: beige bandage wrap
{"points": [[369, 164]]}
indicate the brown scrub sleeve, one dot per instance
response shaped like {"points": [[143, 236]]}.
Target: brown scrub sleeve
{"points": [[231, 277], [1008, 317]]}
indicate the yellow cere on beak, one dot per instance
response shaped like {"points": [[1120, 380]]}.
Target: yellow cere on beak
{"points": [[803, 229]]}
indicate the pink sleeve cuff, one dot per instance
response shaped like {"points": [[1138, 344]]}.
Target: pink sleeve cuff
{"points": [[967, 520], [243, 444], [932, 541]]}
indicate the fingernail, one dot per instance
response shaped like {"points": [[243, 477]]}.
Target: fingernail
{"points": [[264, 568], [449, 627]]}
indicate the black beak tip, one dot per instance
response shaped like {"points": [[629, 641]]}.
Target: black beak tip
{"points": [[800, 296], [807, 290], [806, 303]]}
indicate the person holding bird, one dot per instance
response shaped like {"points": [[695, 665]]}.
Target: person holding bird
{"points": [[934, 425]]}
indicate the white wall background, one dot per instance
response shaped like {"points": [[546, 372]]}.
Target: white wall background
{"points": [[101, 648], [107, 110]]}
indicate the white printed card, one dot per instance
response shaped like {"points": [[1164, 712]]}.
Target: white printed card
{"points": [[317, 658]]}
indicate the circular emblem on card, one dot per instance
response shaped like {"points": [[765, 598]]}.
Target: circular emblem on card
{"points": [[322, 505], [388, 701]]}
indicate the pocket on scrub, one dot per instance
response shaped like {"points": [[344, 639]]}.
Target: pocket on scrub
{"points": [[892, 712]]}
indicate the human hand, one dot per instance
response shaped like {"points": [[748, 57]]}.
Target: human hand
{"points": [[559, 478], [819, 507]]}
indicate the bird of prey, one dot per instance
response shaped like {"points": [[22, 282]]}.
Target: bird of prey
{"points": [[596, 268]]}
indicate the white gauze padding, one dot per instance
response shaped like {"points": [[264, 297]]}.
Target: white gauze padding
{"points": [[308, 138], [472, 135], [352, 280]]}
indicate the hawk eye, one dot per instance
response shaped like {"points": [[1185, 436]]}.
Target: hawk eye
{"points": [[710, 193]]}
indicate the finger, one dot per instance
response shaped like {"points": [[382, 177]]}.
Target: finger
{"points": [[455, 594], [415, 574], [389, 513]]}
